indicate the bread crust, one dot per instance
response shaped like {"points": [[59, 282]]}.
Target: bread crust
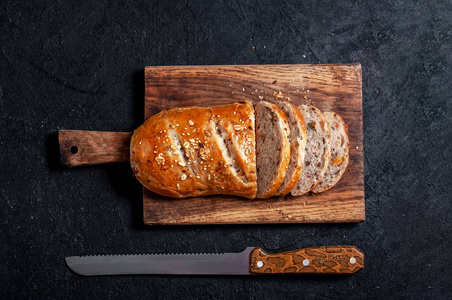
{"points": [[297, 141], [339, 153], [197, 151]]}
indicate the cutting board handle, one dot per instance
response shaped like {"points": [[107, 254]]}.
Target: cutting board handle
{"points": [[83, 148]]}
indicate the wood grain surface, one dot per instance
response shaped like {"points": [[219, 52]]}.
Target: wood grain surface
{"points": [[83, 148], [335, 88], [316, 260]]}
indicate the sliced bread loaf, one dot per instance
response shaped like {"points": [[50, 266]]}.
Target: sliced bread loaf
{"points": [[318, 150], [297, 140], [272, 148], [339, 153], [197, 151]]}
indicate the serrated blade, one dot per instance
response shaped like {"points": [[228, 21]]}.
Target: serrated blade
{"points": [[183, 264]]}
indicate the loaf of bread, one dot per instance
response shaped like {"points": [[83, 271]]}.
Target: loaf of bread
{"points": [[339, 153], [197, 151], [236, 150]]}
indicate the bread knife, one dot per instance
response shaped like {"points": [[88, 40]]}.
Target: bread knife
{"points": [[253, 260]]}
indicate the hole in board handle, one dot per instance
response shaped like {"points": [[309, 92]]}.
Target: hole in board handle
{"points": [[74, 149]]}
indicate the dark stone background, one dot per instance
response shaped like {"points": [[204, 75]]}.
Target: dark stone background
{"points": [[79, 65]]}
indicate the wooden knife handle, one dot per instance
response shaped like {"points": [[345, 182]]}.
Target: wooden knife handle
{"points": [[317, 260], [82, 148]]}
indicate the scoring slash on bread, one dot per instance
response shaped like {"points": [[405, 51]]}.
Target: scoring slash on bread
{"points": [[239, 150]]}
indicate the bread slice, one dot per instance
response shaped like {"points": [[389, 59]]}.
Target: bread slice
{"points": [[297, 139], [339, 153], [318, 150], [272, 148]]}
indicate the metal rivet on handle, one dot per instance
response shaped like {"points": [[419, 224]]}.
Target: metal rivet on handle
{"points": [[352, 260], [305, 262], [260, 264]]}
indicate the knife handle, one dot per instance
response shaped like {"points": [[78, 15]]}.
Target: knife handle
{"points": [[316, 260], [83, 148]]}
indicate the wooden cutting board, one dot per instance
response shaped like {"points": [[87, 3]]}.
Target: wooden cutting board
{"points": [[329, 87]]}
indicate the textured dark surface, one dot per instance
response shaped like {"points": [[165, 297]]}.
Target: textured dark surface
{"points": [[79, 65]]}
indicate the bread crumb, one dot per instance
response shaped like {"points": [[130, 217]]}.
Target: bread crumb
{"points": [[278, 95], [261, 97]]}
